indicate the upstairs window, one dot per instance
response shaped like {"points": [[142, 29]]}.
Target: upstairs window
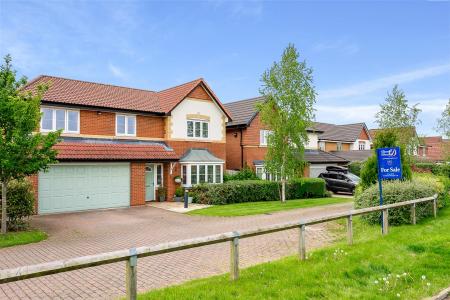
{"points": [[322, 146], [60, 119], [362, 146], [263, 137], [198, 129], [126, 125], [339, 146]]}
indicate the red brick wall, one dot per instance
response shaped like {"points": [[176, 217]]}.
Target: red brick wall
{"points": [[254, 153], [137, 183], [148, 126], [251, 133], [363, 135], [233, 149], [199, 93], [34, 179], [92, 123]]}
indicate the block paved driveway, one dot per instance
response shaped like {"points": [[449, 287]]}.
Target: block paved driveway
{"points": [[87, 233]]}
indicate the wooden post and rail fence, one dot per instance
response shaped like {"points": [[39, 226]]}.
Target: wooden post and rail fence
{"points": [[130, 256]]}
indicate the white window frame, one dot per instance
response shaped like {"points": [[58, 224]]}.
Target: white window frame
{"points": [[339, 146], [322, 146], [155, 166], [126, 125], [66, 119], [363, 144], [201, 122], [262, 172], [263, 137], [188, 179]]}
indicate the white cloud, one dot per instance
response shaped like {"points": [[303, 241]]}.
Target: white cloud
{"points": [[432, 106], [370, 86], [342, 45], [342, 114], [116, 71]]}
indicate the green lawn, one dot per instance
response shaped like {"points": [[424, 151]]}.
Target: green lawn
{"points": [[411, 262], [21, 238], [256, 208]]}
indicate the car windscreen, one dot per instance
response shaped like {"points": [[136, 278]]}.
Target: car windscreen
{"points": [[353, 177]]}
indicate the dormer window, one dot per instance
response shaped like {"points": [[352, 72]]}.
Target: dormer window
{"points": [[197, 129], [126, 125], [54, 119]]}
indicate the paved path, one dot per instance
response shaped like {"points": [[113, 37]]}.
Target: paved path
{"points": [[87, 233]]}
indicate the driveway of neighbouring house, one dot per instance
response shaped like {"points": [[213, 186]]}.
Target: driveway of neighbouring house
{"points": [[79, 234]]}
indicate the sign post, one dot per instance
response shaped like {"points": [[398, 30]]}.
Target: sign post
{"points": [[389, 167]]}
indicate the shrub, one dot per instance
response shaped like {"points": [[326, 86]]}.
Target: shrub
{"points": [[256, 190], [245, 174], [355, 168], [179, 192], [20, 203], [430, 167], [398, 191], [306, 188]]}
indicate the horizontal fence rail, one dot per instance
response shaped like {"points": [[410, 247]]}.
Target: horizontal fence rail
{"points": [[131, 255]]}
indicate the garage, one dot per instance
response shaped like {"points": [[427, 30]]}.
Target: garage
{"points": [[70, 187], [316, 169]]}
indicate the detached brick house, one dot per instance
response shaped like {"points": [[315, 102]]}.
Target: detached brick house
{"points": [[119, 144], [247, 142]]}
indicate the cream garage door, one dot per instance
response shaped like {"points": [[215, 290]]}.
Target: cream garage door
{"points": [[316, 169], [74, 187]]}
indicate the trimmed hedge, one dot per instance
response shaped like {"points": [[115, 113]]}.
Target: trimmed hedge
{"points": [[257, 190], [20, 203], [399, 191]]}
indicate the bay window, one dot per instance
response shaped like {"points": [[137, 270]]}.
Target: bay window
{"points": [[195, 173], [54, 119]]}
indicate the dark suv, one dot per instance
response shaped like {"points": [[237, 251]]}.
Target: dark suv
{"points": [[340, 181]]}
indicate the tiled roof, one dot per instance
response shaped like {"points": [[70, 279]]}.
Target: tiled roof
{"points": [[243, 111], [77, 92], [344, 133], [315, 157], [108, 151], [354, 155], [200, 155]]}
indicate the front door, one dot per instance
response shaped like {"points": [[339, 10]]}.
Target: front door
{"points": [[150, 182]]}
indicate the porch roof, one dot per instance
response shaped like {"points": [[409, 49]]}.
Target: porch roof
{"points": [[194, 155], [98, 149]]}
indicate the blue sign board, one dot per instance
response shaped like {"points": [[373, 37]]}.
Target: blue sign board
{"points": [[389, 163]]}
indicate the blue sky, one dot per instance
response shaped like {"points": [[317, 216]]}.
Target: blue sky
{"points": [[358, 50]]}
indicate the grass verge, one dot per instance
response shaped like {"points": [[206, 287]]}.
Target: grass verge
{"points": [[256, 208], [411, 262], [22, 237]]}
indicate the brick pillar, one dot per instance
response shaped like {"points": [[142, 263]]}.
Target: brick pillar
{"points": [[169, 180], [34, 179], [137, 183]]}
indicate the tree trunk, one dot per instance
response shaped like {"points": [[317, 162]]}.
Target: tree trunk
{"points": [[283, 190], [4, 216]]}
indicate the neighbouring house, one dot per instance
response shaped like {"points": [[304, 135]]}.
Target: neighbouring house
{"points": [[247, 142], [437, 148], [120, 145], [346, 137], [417, 148]]}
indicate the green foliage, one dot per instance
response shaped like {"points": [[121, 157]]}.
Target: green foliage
{"points": [[22, 152], [434, 168], [288, 112], [21, 238], [306, 188], [20, 203], [399, 191], [179, 192], [162, 191], [369, 171], [443, 124], [396, 115], [355, 167], [257, 190], [244, 174]]}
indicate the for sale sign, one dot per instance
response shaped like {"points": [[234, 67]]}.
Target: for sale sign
{"points": [[389, 163]]}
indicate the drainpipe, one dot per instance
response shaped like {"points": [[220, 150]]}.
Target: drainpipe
{"points": [[242, 151]]}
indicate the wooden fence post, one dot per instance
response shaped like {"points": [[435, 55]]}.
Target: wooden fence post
{"points": [[435, 207], [234, 257], [350, 230], [413, 214], [385, 222], [131, 273], [301, 245]]}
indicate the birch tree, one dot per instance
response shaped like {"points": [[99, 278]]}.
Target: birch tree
{"points": [[287, 112]]}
